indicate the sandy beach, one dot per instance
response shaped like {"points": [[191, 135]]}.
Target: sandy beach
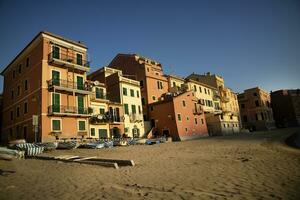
{"points": [[246, 166]]}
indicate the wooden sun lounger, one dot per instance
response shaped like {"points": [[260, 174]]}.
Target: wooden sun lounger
{"points": [[89, 160]]}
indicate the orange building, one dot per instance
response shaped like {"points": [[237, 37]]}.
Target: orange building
{"points": [[255, 108], [148, 72], [179, 115], [47, 79]]}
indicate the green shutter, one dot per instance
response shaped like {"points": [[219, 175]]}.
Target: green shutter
{"points": [[55, 78], [56, 125], [132, 92], [92, 131], [79, 59], [125, 91], [126, 108], [81, 125], [55, 102], [55, 52], [80, 104], [99, 93], [80, 85], [133, 109], [102, 133]]}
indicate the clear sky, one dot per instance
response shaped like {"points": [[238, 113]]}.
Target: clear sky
{"points": [[248, 42]]}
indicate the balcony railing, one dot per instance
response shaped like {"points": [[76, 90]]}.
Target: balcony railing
{"points": [[135, 118], [105, 118], [69, 110], [198, 111], [66, 59], [101, 96], [68, 85]]}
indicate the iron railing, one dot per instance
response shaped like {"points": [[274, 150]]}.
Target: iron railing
{"points": [[100, 96], [52, 109], [105, 118], [68, 58], [198, 111], [68, 84]]}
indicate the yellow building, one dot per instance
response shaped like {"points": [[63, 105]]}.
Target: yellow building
{"points": [[126, 92], [99, 121]]}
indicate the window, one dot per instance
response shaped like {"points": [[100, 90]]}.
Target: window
{"points": [[19, 90], [256, 103], [222, 116], [159, 85], [102, 111], [153, 98], [133, 109], [18, 112], [140, 110], [208, 91], [183, 103], [205, 90], [79, 59], [255, 94], [126, 108], [55, 102], [200, 89], [56, 53], [20, 68], [92, 131], [143, 101], [174, 84], [230, 116], [202, 121], [125, 91], [151, 108], [56, 125], [137, 94], [14, 74], [262, 116], [81, 125], [187, 118], [11, 115], [25, 132], [186, 129], [131, 92], [25, 85], [224, 125], [27, 62], [25, 107], [195, 88], [196, 121], [142, 83], [179, 117], [99, 93]]}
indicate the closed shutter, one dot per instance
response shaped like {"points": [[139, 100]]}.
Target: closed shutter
{"points": [[55, 102], [80, 85], [55, 52], [55, 78], [80, 104]]}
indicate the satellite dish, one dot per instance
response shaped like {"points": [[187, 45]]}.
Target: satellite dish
{"points": [[96, 83], [100, 117]]}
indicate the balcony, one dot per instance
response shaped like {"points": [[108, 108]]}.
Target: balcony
{"points": [[59, 110], [198, 111], [99, 119], [216, 96], [133, 118], [68, 86], [70, 61], [99, 97], [225, 99]]}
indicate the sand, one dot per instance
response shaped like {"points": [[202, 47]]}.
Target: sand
{"points": [[247, 166]]}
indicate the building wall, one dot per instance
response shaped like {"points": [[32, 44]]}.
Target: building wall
{"points": [[286, 107], [15, 128], [187, 126], [256, 111]]}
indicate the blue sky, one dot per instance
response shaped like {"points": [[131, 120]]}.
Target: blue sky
{"points": [[249, 43]]}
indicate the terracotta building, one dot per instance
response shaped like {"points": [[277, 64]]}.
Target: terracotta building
{"points": [[178, 115], [255, 109], [223, 117], [286, 107], [148, 72], [47, 79]]}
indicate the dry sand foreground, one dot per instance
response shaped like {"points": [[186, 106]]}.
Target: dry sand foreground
{"points": [[248, 166]]}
